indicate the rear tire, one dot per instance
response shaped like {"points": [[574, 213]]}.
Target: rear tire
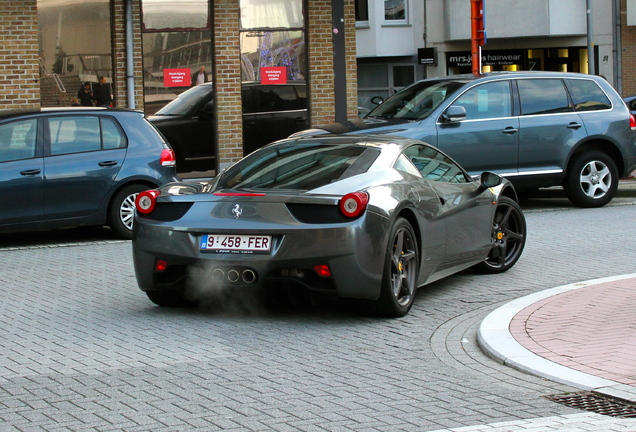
{"points": [[122, 210], [591, 180], [401, 268]]}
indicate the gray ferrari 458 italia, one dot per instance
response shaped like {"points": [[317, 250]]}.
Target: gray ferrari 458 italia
{"points": [[366, 217]]}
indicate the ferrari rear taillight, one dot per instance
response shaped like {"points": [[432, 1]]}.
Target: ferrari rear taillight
{"points": [[354, 204], [146, 201], [632, 122], [168, 158], [161, 266]]}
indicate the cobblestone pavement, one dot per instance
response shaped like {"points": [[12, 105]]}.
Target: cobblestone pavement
{"points": [[82, 349]]}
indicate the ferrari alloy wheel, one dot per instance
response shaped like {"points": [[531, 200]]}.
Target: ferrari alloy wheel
{"points": [[399, 282], [591, 180], [508, 237], [122, 210]]}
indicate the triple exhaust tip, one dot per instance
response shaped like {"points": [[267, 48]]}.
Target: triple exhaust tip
{"points": [[248, 276]]}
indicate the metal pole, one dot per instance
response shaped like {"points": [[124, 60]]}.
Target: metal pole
{"points": [[130, 64], [590, 44]]}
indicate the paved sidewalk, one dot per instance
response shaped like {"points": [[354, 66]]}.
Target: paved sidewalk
{"points": [[581, 334]]}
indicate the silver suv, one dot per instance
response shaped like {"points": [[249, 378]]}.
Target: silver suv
{"points": [[538, 129]]}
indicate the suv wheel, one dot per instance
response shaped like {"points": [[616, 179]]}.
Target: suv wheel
{"points": [[591, 180]]}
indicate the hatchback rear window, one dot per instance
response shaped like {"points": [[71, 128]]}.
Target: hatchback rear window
{"points": [[587, 95], [298, 167]]}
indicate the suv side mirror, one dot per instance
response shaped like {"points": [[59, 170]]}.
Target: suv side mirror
{"points": [[208, 109], [377, 100], [490, 179], [454, 113]]}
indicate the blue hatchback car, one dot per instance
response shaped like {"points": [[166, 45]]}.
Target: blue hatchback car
{"points": [[69, 167], [538, 129]]}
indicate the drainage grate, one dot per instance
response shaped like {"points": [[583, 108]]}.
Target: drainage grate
{"points": [[595, 403]]}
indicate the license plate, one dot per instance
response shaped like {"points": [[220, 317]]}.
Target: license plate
{"points": [[227, 243]]}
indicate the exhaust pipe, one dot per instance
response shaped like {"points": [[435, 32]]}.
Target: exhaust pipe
{"points": [[218, 275], [233, 276], [249, 276]]}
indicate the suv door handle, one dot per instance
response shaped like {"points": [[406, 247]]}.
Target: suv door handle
{"points": [[30, 172], [510, 130], [574, 125], [300, 120], [108, 163]]}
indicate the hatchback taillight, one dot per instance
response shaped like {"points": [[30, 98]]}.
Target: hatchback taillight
{"points": [[168, 159], [354, 204], [632, 122], [146, 201]]}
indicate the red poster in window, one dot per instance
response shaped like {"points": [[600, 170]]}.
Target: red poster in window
{"points": [[273, 75], [176, 77]]}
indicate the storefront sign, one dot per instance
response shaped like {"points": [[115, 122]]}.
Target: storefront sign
{"points": [[488, 58], [176, 77], [427, 56], [273, 75]]}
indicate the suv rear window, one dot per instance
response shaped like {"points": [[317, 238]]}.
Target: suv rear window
{"points": [[543, 96], [587, 95], [295, 167]]}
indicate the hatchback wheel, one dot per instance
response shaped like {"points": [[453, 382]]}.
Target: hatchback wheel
{"points": [[591, 180], [401, 265], [508, 238], [122, 210]]}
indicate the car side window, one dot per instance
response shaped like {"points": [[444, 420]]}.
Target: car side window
{"points": [[18, 139], [272, 98], [543, 96], [486, 101], [112, 135], [587, 95], [435, 166], [74, 134]]}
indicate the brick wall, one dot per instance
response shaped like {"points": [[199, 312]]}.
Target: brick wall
{"points": [[118, 31], [227, 80], [628, 54], [19, 66]]}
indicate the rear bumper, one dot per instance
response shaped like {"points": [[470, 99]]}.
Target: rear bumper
{"points": [[354, 252]]}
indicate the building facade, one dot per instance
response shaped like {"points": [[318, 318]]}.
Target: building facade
{"points": [[432, 38], [49, 48]]}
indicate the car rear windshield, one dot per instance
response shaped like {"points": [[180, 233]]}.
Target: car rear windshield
{"points": [[417, 101], [185, 101], [298, 167]]}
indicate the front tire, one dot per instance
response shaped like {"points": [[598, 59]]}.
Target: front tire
{"points": [[591, 180], [122, 210], [508, 238], [401, 268]]}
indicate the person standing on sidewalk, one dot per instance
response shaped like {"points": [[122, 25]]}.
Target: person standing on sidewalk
{"points": [[101, 93], [84, 94]]}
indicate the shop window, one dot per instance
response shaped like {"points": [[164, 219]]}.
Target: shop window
{"points": [[263, 50], [171, 15], [75, 47], [271, 14]]}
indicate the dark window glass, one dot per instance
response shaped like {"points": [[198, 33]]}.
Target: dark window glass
{"points": [[491, 100], [270, 98], [187, 100], [543, 96], [17, 140], [587, 95], [297, 167], [362, 10], [434, 165], [74, 134], [394, 10]]}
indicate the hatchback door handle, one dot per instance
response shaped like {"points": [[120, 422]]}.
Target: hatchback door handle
{"points": [[574, 125], [30, 172], [108, 163], [510, 131]]}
